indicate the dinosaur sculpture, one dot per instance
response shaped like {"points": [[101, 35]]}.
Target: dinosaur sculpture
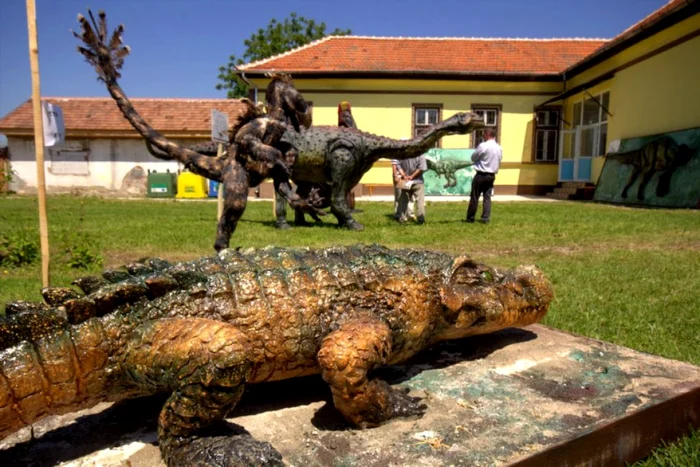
{"points": [[447, 168], [337, 156], [204, 329], [660, 155]]}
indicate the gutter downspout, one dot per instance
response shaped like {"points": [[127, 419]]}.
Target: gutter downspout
{"points": [[254, 86]]}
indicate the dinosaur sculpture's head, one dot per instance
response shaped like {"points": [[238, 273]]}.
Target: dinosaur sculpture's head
{"points": [[478, 299], [464, 122], [285, 102]]}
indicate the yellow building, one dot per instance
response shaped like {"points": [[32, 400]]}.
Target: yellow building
{"points": [[556, 104]]}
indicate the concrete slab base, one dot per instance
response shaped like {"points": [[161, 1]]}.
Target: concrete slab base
{"points": [[533, 396]]}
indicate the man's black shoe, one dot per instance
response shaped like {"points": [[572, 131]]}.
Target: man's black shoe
{"points": [[484, 221], [468, 221]]}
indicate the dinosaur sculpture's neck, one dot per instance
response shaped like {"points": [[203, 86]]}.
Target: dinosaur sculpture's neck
{"points": [[407, 149]]}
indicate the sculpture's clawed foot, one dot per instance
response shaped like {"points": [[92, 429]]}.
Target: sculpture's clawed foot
{"points": [[352, 224], [400, 404], [240, 450], [282, 225], [388, 403], [107, 56]]}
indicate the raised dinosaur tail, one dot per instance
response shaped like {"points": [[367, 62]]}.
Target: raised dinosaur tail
{"points": [[108, 58]]}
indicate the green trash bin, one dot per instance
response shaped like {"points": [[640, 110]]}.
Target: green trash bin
{"points": [[161, 184]]}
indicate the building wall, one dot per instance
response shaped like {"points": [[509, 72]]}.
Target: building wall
{"points": [[109, 160], [657, 94], [384, 107]]}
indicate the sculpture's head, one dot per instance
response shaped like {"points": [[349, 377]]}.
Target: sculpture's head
{"points": [[478, 299], [465, 122], [344, 106], [285, 102]]}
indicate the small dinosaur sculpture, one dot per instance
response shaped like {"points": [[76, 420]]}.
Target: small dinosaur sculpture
{"points": [[660, 155], [447, 168], [203, 330], [332, 155]]}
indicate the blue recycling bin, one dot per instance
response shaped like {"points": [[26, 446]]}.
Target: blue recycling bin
{"points": [[213, 189]]}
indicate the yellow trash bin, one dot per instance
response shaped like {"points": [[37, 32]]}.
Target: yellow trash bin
{"points": [[190, 185]]}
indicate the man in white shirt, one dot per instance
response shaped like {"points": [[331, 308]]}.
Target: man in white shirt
{"points": [[487, 159]]}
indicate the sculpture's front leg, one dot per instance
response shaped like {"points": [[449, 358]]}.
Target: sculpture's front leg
{"points": [[346, 357], [235, 183], [205, 364]]}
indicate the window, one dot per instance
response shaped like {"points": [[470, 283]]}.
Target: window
{"points": [[425, 116], [547, 134], [593, 111], [492, 119]]}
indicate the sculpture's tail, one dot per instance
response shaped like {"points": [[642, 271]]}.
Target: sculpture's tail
{"points": [[60, 373], [108, 58]]}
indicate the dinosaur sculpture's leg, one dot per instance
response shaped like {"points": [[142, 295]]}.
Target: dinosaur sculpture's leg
{"points": [[343, 160], [346, 356], [204, 363], [236, 184]]}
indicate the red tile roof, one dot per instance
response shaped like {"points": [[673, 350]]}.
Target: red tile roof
{"points": [[464, 56], [96, 114]]}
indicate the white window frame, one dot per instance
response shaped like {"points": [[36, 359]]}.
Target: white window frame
{"points": [[602, 119]]}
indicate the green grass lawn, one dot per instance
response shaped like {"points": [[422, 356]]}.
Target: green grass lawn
{"points": [[628, 276]]}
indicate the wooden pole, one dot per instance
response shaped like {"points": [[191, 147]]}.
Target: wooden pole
{"points": [[220, 193], [38, 141]]}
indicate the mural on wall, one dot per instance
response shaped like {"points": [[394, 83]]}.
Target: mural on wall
{"points": [[450, 171], [657, 170]]}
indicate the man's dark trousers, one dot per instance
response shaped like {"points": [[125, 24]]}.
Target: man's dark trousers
{"points": [[482, 183]]}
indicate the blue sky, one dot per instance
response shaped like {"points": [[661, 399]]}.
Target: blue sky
{"points": [[178, 45]]}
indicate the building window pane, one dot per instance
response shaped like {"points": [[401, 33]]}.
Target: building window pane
{"points": [[591, 112], [546, 135], [603, 140], [577, 114], [424, 118], [605, 100], [491, 117]]}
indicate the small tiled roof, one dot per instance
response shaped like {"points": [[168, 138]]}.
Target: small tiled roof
{"points": [[463, 56], [96, 114]]}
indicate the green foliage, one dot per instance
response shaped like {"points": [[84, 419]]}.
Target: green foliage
{"points": [[83, 255], [277, 38], [18, 249], [682, 453], [6, 177]]}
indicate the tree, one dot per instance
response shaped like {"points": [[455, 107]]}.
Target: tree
{"points": [[294, 31]]}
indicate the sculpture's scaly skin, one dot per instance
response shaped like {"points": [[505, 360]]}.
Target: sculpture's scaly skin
{"points": [[201, 330], [336, 156]]}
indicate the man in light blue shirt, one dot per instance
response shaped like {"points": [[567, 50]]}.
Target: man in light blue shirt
{"points": [[487, 160]]}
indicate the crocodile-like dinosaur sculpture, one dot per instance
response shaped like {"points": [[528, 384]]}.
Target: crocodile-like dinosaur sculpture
{"points": [[660, 155], [447, 168], [204, 329], [337, 156]]}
